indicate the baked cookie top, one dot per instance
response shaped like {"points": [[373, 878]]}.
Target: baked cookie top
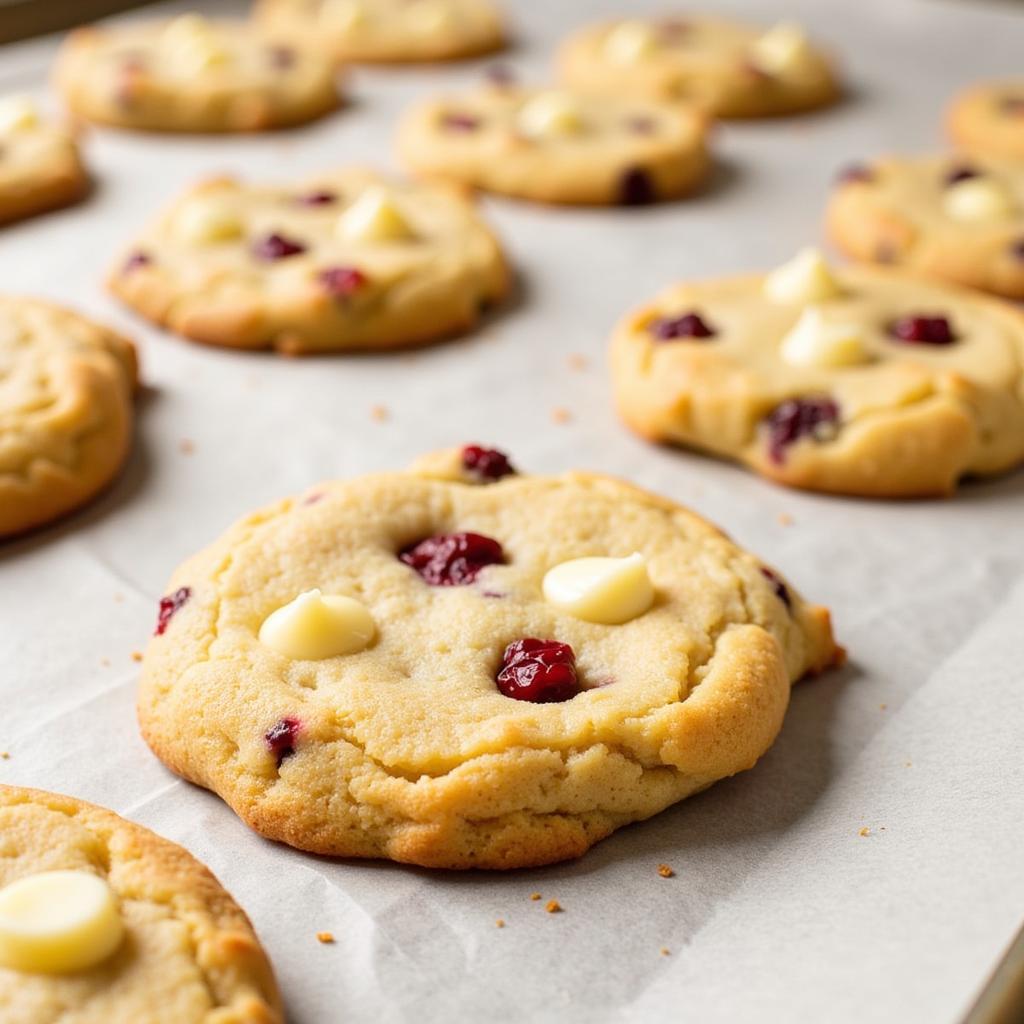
{"points": [[988, 119], [558, 145], [726, 68], [849, 380], [414, 665], [389, 30], [347, 260], [66, 387], [103, 922], [40, 166], [193, 75]]}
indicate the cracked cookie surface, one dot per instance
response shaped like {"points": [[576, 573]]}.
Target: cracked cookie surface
{"points": [[407, 749], [987, 120], [66, 415], [189, 954]]}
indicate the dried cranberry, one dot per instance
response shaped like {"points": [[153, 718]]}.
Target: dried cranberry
{"points": [[341, 281], [796, 418], [1017, 249], [688, 325], [136, 259], [281, 57], [457, 122], [780, 588], [540, 671], [276, 247], [486, 464], [452, 559], [501, 75], [319, 198], [855, 173], [923, 330], [636, 188], [281, 738], [1012, 105], [169, 607], [673, 29], [641, 125], [962, 172]]}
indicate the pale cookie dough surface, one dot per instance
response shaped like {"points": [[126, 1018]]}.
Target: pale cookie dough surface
{"points": [[193, 76], [389, 31], [706, 61], [988, 120], [911, 419], [334, 293], [189, 954], [628, 151], [407, 750], [950, 218], [66, 414]]}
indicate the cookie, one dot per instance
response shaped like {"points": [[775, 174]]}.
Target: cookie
{"points": [[945, 217], [389, 31], [558, 146], [103, 922], [40, 166], [461, 666], [724, 67], [348, 260], [987, 120], [66, 415], [854, 381], [193, 75]]}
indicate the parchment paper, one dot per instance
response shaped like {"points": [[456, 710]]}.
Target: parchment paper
{"points": [[780, 910]]}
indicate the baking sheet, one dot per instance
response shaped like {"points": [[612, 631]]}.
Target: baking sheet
{"points": [[780, 910]]}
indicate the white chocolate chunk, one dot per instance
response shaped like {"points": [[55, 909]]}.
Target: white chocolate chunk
{"points": [[979, 201], [804, 279], [344, 14], [374, 217], [630, 42], [605, 590], [815, 341], [18, 113], [56, 922], [428, 16], [192, 45], [548, 114], [207, 219], [316, 626], [782, 48]]}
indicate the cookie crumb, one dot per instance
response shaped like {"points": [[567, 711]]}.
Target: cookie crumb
{"points": [[119, 599], [882, 707], [664, 951], [553, 907], [186, 447], [379, 413], [577, 362], [785, 519], [136, 655], [865, 831], [325, 938], [5, 755], [534, 895], [105, 662], [665, 871], [500, 923], [560, 415], [907, 765]]}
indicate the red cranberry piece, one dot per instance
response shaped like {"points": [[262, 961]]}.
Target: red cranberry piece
{"points": [[276, 247], [1012, 105], [780, 588], [641, 125], [501, 75], [540, 671], [169, 607], [962, 172], [796, 418], [458, 122], [672, 30], [135, 260], [281, 57], [689, 325], [487, 464], [341, 281], [923, 330], [452, 559], [282, 737], [636, 188], [1017, 249], [322, 198], [855, 173]]}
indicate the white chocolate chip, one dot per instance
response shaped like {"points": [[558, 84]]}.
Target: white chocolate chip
{"points": [[548, 114], [192, 45], [374, 217], [316, 626], [605, 590], [56, 922], [206, 219], [804, 279], [816, 341], [782, 48], [979, 201], [18, 113], [630, 42], [344, 14]]}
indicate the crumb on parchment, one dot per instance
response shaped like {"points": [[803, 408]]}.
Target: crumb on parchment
{"points": [[865, 831], [561, 415], [577, 361], [500, 923], [5, 755], [186, 447], [664, 951], [534, 895], [665, 871], [553, 907], [325, 938], [380, 413], [136, 655]]}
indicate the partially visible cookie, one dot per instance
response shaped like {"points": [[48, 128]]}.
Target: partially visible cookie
{"points": [[952, 218], [558, 146], [348, 260], [726, 68], [988, 120], [40, 166], [103, 922], [66, 387], [193, 75], [853, 381], [389, 31]]}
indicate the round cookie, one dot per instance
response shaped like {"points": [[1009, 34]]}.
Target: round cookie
{"points": [[413, 665], [349, 260], [558, 146], [728, 69], [66, 388], [988, 120], [193, 75], [40, 167], [182, 950], [944, 217], [860, 381], [389, 31]]}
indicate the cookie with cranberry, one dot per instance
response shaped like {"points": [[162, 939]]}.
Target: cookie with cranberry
{"points": [[349, 260], [463, 666], [193, 75], [726, 68], [558, 146], [40, 165], [987, 120], [103, 922], [66, 414], [389, 31], [853, 381]]}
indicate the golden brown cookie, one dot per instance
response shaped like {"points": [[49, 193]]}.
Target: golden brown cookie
{"points": [[988, 120]]}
